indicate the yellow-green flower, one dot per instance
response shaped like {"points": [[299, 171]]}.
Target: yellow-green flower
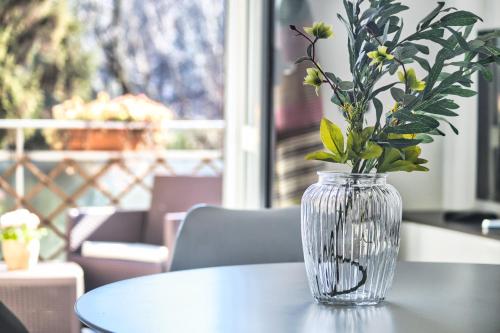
{"points": [[395, 107], [379, 56], [348, 108], [320, 30], [313, 78], [401, 136], [411, 80]]}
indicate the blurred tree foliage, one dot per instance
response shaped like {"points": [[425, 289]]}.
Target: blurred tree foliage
{"points": [[41, 59]]}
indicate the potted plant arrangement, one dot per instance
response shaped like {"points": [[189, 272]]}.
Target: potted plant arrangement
{"points": [[350, 221], [127, 108], [20, 237]]}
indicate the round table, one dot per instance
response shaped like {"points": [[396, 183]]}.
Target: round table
{"points": [[425, 297]]}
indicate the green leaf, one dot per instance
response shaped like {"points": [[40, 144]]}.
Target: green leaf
{"points": [[394, 9], [490, 53], [490, 35], [348, 6], [338, 102], [467, 31], [486, 72], [382, 89], [447, 82], [424, 23], [459, 63], [427, 120], [393, 67], [444, 103], [459, 91], [466, 82], [436, 131], [405, 52], [422, 48], [461, 41], [412, 153], [409, 99], [435, 72], [353, 145], [475, 44], [368, 14], [416, 118], [309, 51], [346, 85], [411, 128], [459, 18], [424, 138], [406, 166], [323, 156], [448, 103], [434, 109], [301, 59], [390, 157], [395, 40], [447, 44], [434, 33], [423, 63], [386, 30], [378, 110], [367, 133], [402, 143], [332, 137], [397, 94], [332, 77], [371, 151], [405, 160], [453, 128]]}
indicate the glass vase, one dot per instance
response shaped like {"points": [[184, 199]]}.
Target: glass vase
{"points": [[350, 236]]}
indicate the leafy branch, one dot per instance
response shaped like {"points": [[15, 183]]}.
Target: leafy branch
{"points": [[376, 49], [311, 52]]}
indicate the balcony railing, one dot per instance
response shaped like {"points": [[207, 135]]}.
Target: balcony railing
{"points": [[48, 182]]}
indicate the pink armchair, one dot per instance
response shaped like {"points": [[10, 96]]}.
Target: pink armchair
{"points": [[171, 194]]}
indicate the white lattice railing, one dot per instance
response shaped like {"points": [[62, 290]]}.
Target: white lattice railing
{"points": [[48, 182]]}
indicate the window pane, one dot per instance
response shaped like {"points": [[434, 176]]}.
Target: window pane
{"points": [[297, 110], [172, 51]]}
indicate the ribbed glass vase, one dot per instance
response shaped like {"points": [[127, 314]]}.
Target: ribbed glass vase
{"points": [[350, 236]]}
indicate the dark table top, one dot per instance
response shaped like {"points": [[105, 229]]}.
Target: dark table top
{"points": [[437, 219], [425, 297]]}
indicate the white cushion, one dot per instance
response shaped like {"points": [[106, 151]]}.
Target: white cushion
{"points": [[125, 251]]}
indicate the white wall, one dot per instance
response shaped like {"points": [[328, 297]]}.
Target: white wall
{"points": [[450, 183], [459, 160]]}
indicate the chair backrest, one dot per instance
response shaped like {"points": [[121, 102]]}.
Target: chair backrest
{"points": [[212, 236], [9, 322], [178, 194]]}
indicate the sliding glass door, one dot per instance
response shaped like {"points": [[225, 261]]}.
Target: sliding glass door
{"points": [[296, 110]]}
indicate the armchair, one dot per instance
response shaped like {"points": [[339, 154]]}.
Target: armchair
{"points": [[214, 236], [171, 194], [107, 225]]}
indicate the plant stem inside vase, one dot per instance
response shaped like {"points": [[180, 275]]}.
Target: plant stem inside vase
{"points": [[334, 247]]}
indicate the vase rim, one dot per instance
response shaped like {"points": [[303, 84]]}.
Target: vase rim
{"points": [[352, 175]]}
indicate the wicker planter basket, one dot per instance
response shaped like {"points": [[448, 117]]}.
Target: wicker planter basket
{"points": [[105, 139]]}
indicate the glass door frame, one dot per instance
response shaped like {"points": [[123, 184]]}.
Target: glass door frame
{"points": [[248, 167]]}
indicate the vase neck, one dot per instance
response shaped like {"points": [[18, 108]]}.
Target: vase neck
{"points": [[351, 178]]}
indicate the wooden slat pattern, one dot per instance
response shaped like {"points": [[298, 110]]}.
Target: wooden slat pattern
{"points": [[92, 180]]}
